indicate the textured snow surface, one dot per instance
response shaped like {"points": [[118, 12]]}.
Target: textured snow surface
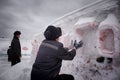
{"points": [[20, 71], [97, 17]]}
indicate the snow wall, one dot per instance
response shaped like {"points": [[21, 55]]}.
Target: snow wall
{"points": [[92, 25]]}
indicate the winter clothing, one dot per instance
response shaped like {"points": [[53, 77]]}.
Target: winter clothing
{"points": [[16, 51], [52, 33], [64, 77], [49, 60], [78, 45]]}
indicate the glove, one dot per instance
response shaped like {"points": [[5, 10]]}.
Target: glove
{"points": [[78, 45]]}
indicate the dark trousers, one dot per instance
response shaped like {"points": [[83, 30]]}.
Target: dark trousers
{"points": [[36, 75], [15, 61], [64, 77], [58, 77]]}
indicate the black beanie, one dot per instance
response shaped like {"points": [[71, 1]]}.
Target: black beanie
{"points": [[52, 32]]}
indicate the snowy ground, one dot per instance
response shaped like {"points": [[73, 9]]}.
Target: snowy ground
{"points": [[16, 72], [4, 65], [84, 66]]}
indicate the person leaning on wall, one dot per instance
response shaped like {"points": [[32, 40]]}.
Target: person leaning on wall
{"points": [[16, 48], [50, 55]]}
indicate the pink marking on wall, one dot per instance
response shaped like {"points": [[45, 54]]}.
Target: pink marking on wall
{"points": [[25, 48], [107, 41]]}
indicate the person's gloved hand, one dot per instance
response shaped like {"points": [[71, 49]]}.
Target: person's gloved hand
{"points": [[78, 45]]}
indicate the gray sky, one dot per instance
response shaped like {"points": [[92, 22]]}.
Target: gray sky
{"points": [[31, 16]]}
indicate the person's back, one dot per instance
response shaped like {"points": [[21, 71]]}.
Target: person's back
{"points": [[50, 55]]}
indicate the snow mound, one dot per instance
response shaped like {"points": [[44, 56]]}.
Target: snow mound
{"points": [[20, 71]]}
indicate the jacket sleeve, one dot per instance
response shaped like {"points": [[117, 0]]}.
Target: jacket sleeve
{"points": [[65, 54]]}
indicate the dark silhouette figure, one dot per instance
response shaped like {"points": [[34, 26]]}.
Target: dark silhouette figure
{"points": [[9, 53], [16, 48], [50, 55]]}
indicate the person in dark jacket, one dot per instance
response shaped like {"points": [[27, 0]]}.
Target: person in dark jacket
{"points": [[50, 55], [16, 48]]}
